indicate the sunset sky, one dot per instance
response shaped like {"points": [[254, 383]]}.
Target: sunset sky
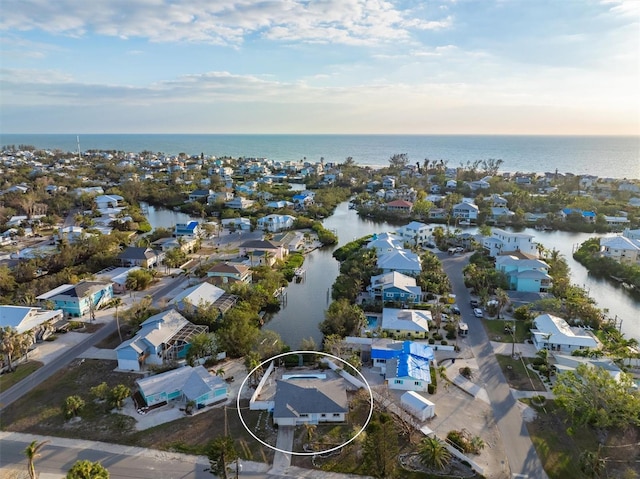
{"points": [[320, 66]]}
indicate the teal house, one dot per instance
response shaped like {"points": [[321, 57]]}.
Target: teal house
{"points": [[78, 300]]}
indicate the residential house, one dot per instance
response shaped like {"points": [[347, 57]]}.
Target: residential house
{"points": [[586, 216], [554, 333], [466, 211], [230, 273], [437, 214], [406, 323], [76, 300], [500, 214], [219, 196], [184, 243], [405, 365], [204, 296], [616, 223], [280, 204], [527, 275], [402, 261], [621, 249], [631, 234], [185, 384], [263, 252], [505, 242], [394, 286], [388, 182], [197, 195], [498, 201], [416, 233], [384, 243], [71, 234], [243, 224], [108, 201], [400, 206], [117, 276], [140, 256], [564, 362], [239, 203], [192, 229], [303, 199], [275, 223], [307, 400], [22, 319], [162, 337]]}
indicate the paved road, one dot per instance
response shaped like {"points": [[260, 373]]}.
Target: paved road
{"points": [[23, 387], [521, 455]]}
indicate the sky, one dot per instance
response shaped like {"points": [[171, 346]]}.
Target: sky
{"points": [[320, 66]]}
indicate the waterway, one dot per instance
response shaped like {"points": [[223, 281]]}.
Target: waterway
{"points": [[307, 301]]}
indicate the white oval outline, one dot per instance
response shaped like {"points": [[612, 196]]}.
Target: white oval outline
{"points": [[366, 423]]}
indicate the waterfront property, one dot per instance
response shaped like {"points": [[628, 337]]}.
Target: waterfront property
{"points": [[554, 333], [191, 229], [274, 223], [204, 296], [621, 249], [307, 400], [263, 252], [525, 275], [385, 243], [140, 256], [223, 273], [505, 242], [406, 323], [402, 261], [183, 384], [162, 337], [416, 233], [76, 300], [394, 286], [465, 211]]}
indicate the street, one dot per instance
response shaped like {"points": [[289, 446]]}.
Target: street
{"points": [[521, 454]]}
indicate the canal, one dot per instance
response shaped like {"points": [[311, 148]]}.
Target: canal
{"points": [[308, 300]]}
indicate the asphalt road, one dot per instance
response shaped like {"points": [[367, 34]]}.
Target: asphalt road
{"points": [[27, 384], [522, 458]]}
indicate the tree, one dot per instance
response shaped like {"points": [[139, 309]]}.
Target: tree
{"points": [[343, 318], [434, 453], [398, 161], [381, 446], [9, 344], [221, 452], [116, 303], [84, 469], [436, 313], [72, 406], [239, 331], [118, 394], [202, 345], [32, 453], [100, 392], [502, 298], [590, 395]]}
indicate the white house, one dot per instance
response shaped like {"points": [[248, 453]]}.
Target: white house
{"points": [[416, 233], [204, 295], [402, 261], [504, 242], [411, 323], [554, 333], [405, 366], [621, 249], [394, 286], [384, 243], [306, 400], [467, 211], [275, 223]]}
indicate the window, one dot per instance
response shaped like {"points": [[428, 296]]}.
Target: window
{"points": [[397, 381], [417, 383], [323, 415], [335, 414], [304, 415]]}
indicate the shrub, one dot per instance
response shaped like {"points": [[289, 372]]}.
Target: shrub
{"points": [[437, 336], [444, 342], [466, 372], [451, 335], [432, 341], [431, 388]]}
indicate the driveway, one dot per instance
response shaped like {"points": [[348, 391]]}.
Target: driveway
{"points": [[521, 455]]}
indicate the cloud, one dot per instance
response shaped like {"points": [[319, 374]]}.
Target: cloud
{"points": [[222, 22]]}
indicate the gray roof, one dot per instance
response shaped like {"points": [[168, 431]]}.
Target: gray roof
{"points": [[309, 396]]}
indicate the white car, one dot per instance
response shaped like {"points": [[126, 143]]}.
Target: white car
{"points": [[477, 312]]}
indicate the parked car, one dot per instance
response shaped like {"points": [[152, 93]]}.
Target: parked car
{"points": [[459, 250], [477, 312], [474, 303], [455, 310]]}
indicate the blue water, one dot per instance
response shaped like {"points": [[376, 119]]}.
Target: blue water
{"points": [[604, 156]]}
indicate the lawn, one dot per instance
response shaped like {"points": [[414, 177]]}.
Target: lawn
{"points": [[559, 446], [518, 376], [21, 371], [495, 329]]}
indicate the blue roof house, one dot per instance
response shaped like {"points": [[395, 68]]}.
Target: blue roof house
{"points": [[191, 229], [405, 365]]}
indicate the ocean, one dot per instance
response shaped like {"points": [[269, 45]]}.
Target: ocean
{"points": [[603, 156]]}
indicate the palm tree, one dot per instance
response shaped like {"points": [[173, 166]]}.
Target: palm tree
{"points": [[9, 344], [433, 452], [436, 313], [503, 299], [32, 452], [116, 303]]}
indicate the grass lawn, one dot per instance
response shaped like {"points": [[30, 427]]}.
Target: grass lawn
{"points": [[495, 330], [518, 376], [22, 371]]}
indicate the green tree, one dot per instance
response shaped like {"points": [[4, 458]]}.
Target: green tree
{"points": [[118, 394], [33, 452], [9, 344], [202, 345], [101, 391], [117, 303], [381, 446], [343, 318], [84, 469], [239, 331], [221, 452], [434, 453], [590, 395], [73, 405]]}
